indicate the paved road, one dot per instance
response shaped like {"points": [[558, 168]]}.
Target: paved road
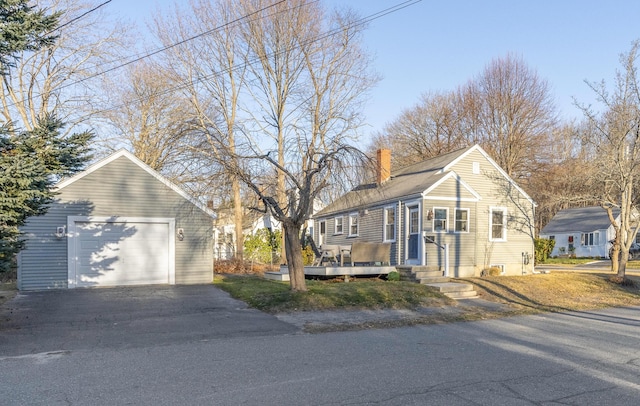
{"points": [[580, 358]]}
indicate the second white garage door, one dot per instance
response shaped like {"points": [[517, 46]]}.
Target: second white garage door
{"points": [[120, 251]]}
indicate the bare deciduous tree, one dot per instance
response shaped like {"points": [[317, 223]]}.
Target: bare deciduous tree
{"points": [[615, 139], [54, 79], [311, 78], [211, 68], [153, 126], [426, 130], [509, 110]]}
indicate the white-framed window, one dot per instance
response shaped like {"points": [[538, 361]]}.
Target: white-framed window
{"points": [[353, 224], [498, 224], [461, 218], [338, 225], [590, 239], [389, 223], [440, 217], [476, 168]]}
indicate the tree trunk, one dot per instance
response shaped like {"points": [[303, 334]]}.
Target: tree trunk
{"points": [[238, 218], [615, 259], [622, 264], [293, 250]]}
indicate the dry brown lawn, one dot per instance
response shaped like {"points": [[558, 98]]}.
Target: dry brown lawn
{"points": [[558, 291]]}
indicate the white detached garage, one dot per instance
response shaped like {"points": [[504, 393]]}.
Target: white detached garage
{"points": [[119, 223]]}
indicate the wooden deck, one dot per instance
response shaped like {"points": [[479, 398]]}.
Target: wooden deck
{"points": [[337, 270], [332, 270]]}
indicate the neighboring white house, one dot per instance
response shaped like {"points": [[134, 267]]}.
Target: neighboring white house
{"points": [[224, 232], [583, 232]]}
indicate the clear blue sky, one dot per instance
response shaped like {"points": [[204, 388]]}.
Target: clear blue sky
{"points": [[439, 45]]}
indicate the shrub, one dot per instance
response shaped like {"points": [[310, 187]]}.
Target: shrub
{"points": [[393, 276], [263, 246], [492, 271], [307, 255], [543, 247]]}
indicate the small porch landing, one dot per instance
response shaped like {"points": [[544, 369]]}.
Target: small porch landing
{"points": [[434, 277]]}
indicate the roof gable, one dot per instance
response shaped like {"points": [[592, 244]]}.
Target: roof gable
{"points": [[126, 154], [582, 219], [476, 148], [451, 187]]}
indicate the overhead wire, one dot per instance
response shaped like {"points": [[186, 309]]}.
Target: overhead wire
{"points": [[73, 20], [185, 84], [146, 55], [365, 20]]}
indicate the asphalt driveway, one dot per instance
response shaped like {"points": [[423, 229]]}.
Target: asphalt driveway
{"points": [[64, 320]]}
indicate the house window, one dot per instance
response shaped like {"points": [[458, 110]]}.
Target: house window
{"points": [[353, 224], [476, 168], [590, 239], [440, 220], [498, 224], [338, 226], [414, 221], [462, 220], [389, 224]]}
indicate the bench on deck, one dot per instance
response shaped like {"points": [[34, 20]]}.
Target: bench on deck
{"points": [[370, 253]]}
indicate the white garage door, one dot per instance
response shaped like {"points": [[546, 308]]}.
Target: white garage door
{"points": [[120, 252]]}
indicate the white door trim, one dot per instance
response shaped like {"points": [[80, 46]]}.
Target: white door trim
{"points": [[72, 233], [407, 206]]}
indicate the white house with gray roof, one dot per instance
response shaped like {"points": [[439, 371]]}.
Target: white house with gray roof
{"points": [[462, 200], [582, 231]]}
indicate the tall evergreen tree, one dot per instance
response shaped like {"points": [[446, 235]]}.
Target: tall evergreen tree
{"points": [[30, 161]]}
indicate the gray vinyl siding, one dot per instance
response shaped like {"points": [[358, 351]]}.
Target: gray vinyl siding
{"points": [[453, 189], [462, 247], [490, 185], [121, 189], [370, 229]]}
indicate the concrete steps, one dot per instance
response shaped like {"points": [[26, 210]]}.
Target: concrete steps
{"points": [[434, 277], [455, 290]]}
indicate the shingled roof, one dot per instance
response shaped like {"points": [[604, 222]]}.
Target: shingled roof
{"points": [[581, 219], [406, 182]]}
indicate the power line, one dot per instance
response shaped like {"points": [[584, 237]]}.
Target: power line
{"points": [[365, 20], [147, 55], [80, 16], [185, 84], [169, 46]]}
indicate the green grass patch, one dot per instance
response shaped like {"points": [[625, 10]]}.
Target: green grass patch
{"points": [[272, 296]]}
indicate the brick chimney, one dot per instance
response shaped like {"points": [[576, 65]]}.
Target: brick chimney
{"points": [[383, 172]]}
